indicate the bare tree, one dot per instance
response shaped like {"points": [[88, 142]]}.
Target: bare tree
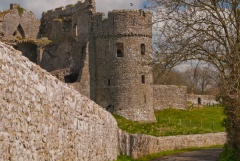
{"points": [[200, 79], [172, 77], [206, 30]]}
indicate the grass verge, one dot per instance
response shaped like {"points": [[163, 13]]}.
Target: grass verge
{"points": [[164, 153], [177, 122]]}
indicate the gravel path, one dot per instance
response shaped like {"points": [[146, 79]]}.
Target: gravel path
{"points": [[200, 155]]}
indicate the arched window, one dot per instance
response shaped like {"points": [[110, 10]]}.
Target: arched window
{"points": [[19, 32]]}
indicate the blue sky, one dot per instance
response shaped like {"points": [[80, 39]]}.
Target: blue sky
{"points": [[38, 6]]}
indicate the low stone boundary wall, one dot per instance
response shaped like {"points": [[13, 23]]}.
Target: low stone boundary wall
{"points": [[137, 145]]}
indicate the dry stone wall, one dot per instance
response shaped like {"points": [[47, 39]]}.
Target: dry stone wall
{"points": [[136, 145], [41, 118], [169, 96]]}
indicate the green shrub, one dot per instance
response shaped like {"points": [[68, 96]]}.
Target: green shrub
{"points": [[229, 154], [20, 10]]}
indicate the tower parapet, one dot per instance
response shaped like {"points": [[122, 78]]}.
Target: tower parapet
{"points": [[123, 22], [67, 21], [69, 9], [14, 5]]}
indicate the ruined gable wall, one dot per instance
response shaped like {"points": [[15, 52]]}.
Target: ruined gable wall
{"points": [[169, 96], [119, 86], [62, 21], [70, 28], [42, 118], [11, 20]]}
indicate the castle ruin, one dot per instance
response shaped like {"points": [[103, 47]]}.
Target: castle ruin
{"points": [[106, 59]]}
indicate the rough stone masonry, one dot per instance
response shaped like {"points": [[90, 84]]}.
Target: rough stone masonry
{"points": [[42, 118], [109, 60]]}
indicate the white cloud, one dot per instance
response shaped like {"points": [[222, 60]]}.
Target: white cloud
{"points": [[38, 6]]}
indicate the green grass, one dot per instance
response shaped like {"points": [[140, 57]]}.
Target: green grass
{"points": [[177, 122], [164, 153]]}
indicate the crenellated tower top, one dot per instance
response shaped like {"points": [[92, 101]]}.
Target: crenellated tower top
{"points": [[70, 9], [123, 22]]}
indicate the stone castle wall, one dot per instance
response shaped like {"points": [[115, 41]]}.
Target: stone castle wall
{"points": [[18, 23], [71, 20], [86, 44], [169, 96], [70, 28], [119, 84], [204, 99], [41, 118]]}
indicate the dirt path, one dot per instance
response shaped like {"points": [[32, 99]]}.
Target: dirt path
{"points": [[200, 155]]}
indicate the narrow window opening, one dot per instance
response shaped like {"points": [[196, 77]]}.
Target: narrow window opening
{"points": [[199, 101], [119, 49], [143, 49], [83, 52], [145, 99], [109, 82], [143, 79], [76, 30], [43, 26], [142, 13], [97, 26], [71, 78]]}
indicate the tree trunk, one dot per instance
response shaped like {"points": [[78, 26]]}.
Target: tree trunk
{"points": [[232, 122]]}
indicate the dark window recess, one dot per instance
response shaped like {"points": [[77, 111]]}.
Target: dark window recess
{"points": [[109, 82], [110, 108], [83, 52], [143, 79], [145, 99], [143, 49], [199, 101], [119, 49], [19, 32], [44, 26], [71, 78]]}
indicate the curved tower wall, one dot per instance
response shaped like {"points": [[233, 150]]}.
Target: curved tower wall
{"points": [[124, 83]]}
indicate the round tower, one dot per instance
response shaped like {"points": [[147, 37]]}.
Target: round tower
{"points": [[123, 54]]}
